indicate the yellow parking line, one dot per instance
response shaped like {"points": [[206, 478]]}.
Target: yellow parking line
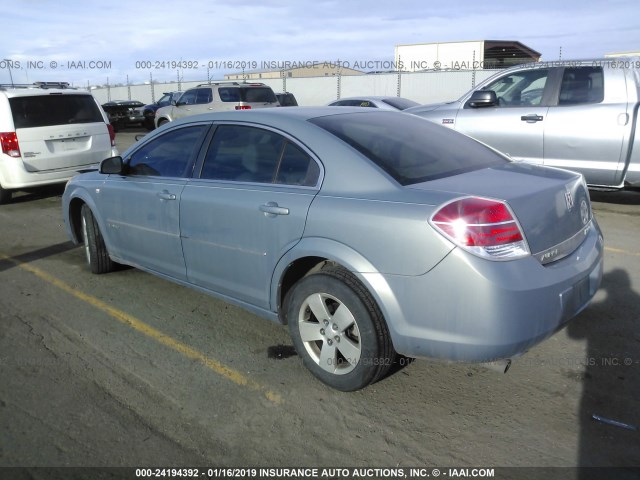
{"points": [[157, 335], [623, 252]]}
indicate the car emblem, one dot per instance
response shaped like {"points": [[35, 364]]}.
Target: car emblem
{"points": [[584, 212], [569, 199]]}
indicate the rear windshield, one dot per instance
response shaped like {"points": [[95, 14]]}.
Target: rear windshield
{"points": [[409, 148], [54, 109], [247, 94], [400, 103]]}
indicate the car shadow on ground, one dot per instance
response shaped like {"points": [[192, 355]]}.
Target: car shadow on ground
{"points": [[620, 197], [32, 194], [32, 256], [611, 380]]}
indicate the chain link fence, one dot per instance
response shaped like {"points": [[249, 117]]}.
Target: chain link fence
{"points": [[422, 87]]}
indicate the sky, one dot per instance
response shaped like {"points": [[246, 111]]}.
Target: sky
{"points": [[88, 42]]}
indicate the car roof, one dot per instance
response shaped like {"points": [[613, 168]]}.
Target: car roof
{"points": [[25, 92], [272, 115]]}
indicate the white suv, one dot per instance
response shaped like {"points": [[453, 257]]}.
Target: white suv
{"points": [[49, 133], [217, 97]]}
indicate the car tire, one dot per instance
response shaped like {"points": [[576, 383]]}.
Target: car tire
{"points": [[162, 121], [5, 195], [95, 250], [338, 330]]}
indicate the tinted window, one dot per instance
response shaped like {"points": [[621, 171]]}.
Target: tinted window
{"points": [[258, 95], [189, 98], [581, 85], [248, 154], [353, 103], [229, 94], [247, 94], [400, 103], [410, 149], [244, 154], [203, 96], [521, 88], [169, 155], [52, 109], [297, 168]]}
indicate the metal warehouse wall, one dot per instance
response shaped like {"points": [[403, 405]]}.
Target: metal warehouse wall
{"points": [[423, 87]]}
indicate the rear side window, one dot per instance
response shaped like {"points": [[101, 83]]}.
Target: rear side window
{"points": [[248, 154], [54, 109], [581, 85], [410, 149]]}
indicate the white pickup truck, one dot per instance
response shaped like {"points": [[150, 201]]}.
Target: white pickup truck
{"points": [[579, 115]]}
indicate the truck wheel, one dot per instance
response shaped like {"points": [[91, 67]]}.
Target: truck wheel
{"points": [[338, 330], [95, 250]]}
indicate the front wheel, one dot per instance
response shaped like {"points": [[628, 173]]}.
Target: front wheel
{"points": [[338, 330], [95, 250]]}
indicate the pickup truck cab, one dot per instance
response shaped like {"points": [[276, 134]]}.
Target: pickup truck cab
{"points": [[578, 115]]}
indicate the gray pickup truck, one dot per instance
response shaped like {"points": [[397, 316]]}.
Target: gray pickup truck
{"points": [[578, 115]]}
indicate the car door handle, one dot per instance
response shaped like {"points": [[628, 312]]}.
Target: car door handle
{"points": [[165, 195], [271, 209], [531, 118]]}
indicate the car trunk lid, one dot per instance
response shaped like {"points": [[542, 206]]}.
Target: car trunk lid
{"points": [[551, 205]]}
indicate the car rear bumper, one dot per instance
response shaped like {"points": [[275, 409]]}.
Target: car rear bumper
{"points": [[469, 309], [13, 174]]}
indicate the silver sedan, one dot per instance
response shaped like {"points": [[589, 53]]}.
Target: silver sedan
{"points": [[385, 103], [372, 234]]}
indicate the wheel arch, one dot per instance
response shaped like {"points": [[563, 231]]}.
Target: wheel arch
{"points": [[73, 217], [311, 254]]}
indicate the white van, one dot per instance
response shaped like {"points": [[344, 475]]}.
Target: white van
{"points": [[49, 133]]}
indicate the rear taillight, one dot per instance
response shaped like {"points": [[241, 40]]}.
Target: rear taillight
{"points": [[243, 107], [112, 134], [483, 227], [9, 142]]}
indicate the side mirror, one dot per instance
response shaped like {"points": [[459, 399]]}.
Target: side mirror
{"points": [[483, 98], [111, 166]]}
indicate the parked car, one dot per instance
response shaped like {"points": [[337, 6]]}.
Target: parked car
{"points": [[218, 97], [124, 113], [287, 99], [580, 115], [386, 103], [149, 111], [48, 133], [371, 233]]}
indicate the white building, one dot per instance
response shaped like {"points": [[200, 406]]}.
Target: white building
{"points": [[469, 55]]}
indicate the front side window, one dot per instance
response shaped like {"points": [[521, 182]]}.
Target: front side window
{"points": [[203, 96], [521, 88], [581, 85], [189, 98], [249, 154], [169, 155]]}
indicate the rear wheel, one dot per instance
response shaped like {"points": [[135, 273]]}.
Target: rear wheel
{"points": [[95, 250], [338, 330], [5, 195]]}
